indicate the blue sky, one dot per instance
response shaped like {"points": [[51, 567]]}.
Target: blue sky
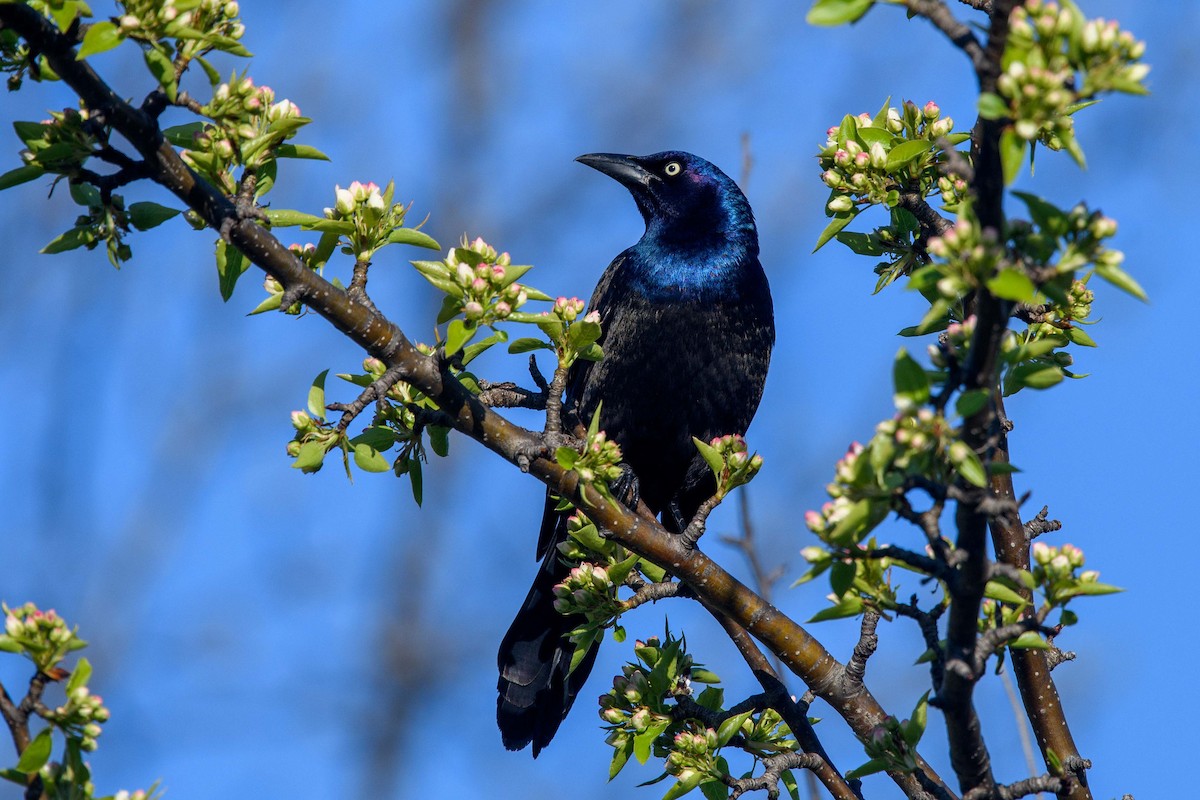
{"points": [[255, 628]]}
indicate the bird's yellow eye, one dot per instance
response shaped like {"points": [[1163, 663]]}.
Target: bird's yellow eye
{"points": [[672, 169]]}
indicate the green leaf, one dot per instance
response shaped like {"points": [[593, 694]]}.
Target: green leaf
{"points": [[789, 781], [869, 768], [911, 381], [730, 727], [992, 106], [850, 606], [272, 303], [10, 645], [906, 152], [146, 215], [971, 402], [163, 70], [416, 477], [183, 135], [854, 523], [100, 37], [702, 675], [341, 226], [230, 266], [1079, 336], [1047, 216], [287, 218], [85, 194], [83, 672], [528, 344], [914, 727], [1122, 280], [300, 151], [837, 12], [310, 457], [377, 437], [1030, 640], [995, 590], [439, 439], [870, 136], [414, 237], [1035, 375], [1012, 153], [15, 177], [70, 240], [711, 457], [714, 790], [620, 757], [841, 577], [368, 459], [37, 753], [1012, 284], [972, 471], [680, 788], [458, 333], [316, 396], [839, 221]]}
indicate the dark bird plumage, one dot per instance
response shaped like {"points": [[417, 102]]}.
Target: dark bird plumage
{"points": [[687, 328]]}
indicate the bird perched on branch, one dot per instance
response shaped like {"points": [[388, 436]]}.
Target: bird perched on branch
{"points": [[688, 328]]}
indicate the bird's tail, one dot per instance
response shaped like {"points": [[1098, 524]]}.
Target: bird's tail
{"points": [[537, 686]]}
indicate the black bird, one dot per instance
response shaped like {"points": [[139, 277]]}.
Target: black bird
{"points": [[688, 328]]}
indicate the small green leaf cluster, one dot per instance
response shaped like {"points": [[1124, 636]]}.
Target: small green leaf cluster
{"points": [[172, 33], [1044, 265], [45, 638], [395, 422], [41, 636], [1054, 64], [481, 289], [643, 719], [589, 591], [62, 145], [856, 584], [1056, 572], [892, 745], [598, 464], [730, 460], [872, 160], [570, 333], [248, 129], [917, 442], [608, 566]]}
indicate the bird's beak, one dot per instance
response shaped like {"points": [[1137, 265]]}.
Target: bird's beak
{"points": [[624, 169]]}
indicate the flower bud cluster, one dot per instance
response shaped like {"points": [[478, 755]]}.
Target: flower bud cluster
{"points": [[1048, 45], [42, 636], [915, 442], [975, 254], [954, 342], [1039, 102], [731, 462], [600, 461], [479, 282], [587, 590], [888, 745], [637, 701], [693, 755], [856, 159], [81, 716], [59, 144], [371, 216], [247, 125], [1056, 571], [149, 20]]}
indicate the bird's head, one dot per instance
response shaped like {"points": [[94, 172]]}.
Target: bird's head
{"points": [[682, 197]]}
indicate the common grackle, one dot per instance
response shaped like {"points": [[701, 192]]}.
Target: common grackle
{"points": [[688, 328]]}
